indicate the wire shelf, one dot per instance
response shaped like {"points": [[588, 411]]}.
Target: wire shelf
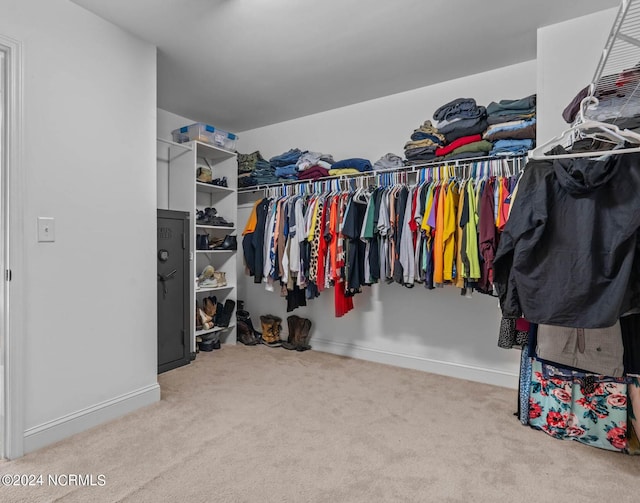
{"points": [[616, 82]]}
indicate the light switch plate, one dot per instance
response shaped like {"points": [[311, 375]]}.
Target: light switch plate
{"points": [[46, 229]]}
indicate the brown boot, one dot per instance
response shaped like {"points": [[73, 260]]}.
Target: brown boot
{"points": [[293, 323], [303, 335], [198, 320], [209, 307], [271, 330], [205, 319]]}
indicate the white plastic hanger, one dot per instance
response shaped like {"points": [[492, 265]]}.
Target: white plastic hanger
{"points": [[589, 128]]}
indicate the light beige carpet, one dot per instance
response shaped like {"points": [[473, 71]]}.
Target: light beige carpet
{"points": [[255, 424]]}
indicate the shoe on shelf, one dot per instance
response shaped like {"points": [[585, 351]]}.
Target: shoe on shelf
{"points": [[209, 307], [212, 218], [209, 213], [214, 241], [198, 320], [230, 243], [204, 174], [219, 315], [214, 338], [202, 242], [221, 182], [207, 273], [220, 222], [227, 311], [206, 321], [209, 283], [207, 345], [220, 278], [201, 217]]}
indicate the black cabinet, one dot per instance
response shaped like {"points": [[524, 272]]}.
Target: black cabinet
{"points": [[173, 289]]}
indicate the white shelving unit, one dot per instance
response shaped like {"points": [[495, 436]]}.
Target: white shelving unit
{"points": [[187, 194]]}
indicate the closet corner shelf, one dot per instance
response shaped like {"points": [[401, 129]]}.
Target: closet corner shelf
{"points": [[215, 251], [203, 226], [185, 146], [211, 151], [213, 288], [213, 330], [207, 187]]}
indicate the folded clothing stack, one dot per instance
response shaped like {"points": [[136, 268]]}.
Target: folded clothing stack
{"points": [[351, 166], [460, 117], [249, 165], [388, 161], [461, 122], [465, 147], [309, 159], [512, 126], [423, 144], [285, 165], [313, 165], [298, 164]]}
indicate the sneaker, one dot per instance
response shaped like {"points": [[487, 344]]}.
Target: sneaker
{"points": [[204, 174], [207, 273], [208, 283]]}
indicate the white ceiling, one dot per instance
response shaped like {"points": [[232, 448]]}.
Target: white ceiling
{"points": [[241, 64]]}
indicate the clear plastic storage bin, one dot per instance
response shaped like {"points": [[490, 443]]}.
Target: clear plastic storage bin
{"points": [[206, 134]]}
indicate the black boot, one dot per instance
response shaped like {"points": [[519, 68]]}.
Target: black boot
{"points": [[230, 243], [227, 310]]}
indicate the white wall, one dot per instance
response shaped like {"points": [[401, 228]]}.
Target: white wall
{"points": [[166, 123], [567, 57], [436, 330], [89, 140]]}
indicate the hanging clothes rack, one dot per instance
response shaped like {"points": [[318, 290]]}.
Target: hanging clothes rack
{"points": [[456, 168]]}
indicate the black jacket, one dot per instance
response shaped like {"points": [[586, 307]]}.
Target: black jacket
{"points": [[253, 244], [566, 256]]}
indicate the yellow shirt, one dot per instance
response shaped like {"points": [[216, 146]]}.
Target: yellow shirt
{"points": [[438, 247], [449, 230]]}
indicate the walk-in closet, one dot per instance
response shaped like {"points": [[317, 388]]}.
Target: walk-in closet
{"points": [[320, 251]]}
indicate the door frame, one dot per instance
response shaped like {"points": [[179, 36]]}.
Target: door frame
{"points": [[13, 275]]}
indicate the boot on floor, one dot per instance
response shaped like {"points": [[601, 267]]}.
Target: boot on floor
{"points": [[304, 335], [293, 323], [247, 335], [271, 330]]}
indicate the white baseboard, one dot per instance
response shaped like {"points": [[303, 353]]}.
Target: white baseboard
{"points": [[450, 369], [63, 427]]}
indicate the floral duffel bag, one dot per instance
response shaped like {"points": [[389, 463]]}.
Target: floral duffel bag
{"points": [[589, 408]]}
